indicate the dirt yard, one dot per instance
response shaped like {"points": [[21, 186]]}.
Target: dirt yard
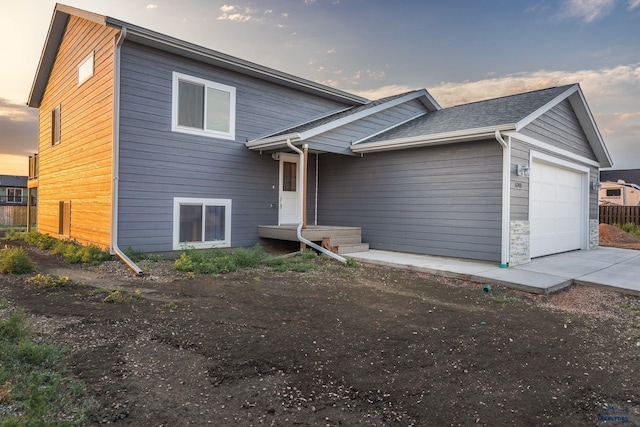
{"points": [[337, 346]]}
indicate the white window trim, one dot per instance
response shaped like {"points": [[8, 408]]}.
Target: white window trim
{"points": [[84, 71], [178, 201], [15, 190], [231, 135]]}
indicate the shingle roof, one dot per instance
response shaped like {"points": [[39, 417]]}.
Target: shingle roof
{"points": [[493, 112]]}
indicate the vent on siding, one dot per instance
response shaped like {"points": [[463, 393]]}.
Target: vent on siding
{"points": [[64, 218]]}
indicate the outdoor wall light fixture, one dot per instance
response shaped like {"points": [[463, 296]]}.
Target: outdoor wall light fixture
{"points": [[596, 186], [522, 170]]}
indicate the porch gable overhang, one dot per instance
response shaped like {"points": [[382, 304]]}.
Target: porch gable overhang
{"points": [[307, 131]]}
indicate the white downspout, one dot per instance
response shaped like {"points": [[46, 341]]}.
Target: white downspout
{"points": [[315, 217], [301, 203], [506, 199], [116, 157]]}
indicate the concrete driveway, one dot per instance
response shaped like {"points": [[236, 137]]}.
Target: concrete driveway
{"points": [[618, 269]]}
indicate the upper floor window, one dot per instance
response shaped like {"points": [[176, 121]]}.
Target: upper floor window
{"points": [[203, 107], [55, 125], [85, 69]]}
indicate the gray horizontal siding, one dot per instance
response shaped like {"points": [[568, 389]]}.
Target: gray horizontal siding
{"points": [[443, 200], [157, 164], [339, 140], [520, 152], [561, 128]]}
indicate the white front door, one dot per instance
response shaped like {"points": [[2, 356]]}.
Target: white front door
{"points": [[289, 212]]}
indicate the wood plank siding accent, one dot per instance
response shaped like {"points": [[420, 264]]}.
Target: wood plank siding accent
{"points": [[79, 168], [443, 200], [157, 164]]}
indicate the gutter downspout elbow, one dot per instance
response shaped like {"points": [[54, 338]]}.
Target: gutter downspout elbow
{"points": [[506, 199], [300, 201], [116, 156]]}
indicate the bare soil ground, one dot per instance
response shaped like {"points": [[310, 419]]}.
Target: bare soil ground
{"points": [[615, 237], [337, 346]]}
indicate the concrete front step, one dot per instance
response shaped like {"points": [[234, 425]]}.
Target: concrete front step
{"points": [[353, 248]]}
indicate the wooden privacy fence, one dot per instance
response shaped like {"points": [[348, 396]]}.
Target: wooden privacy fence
{"points": [[16, 216], [620, 214]]}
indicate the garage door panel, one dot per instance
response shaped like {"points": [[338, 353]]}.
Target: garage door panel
{"points": [[555, 209]]}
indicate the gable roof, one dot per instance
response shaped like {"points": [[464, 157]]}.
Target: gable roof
{"points": [[479, 120], [307, 130], [62, 13]]}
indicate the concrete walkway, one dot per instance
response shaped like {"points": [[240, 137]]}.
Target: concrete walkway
{"points": [[618, 269]]}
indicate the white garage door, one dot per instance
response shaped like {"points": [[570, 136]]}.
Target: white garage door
{"points": [[556, 209]]}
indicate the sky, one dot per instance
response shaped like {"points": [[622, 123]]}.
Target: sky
{"points": [[460, 51]]}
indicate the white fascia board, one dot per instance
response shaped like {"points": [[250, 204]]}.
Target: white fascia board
{"points": [[429, 102], [272, 143], [435, 139], [546, 107], [590, 128], [365, 113], [552, 148]]}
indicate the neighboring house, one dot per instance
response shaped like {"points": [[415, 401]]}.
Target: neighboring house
{"points": [[13, 190], [627, 175], [151, 142]]}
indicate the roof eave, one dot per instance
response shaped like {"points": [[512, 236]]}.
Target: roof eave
{"points": [[173, 45], [435, 139]]}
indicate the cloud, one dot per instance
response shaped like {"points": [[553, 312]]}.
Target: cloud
{"points": [[152, 6], [236, 13], [633, 4], [383, 91], [609, 87], [588, 10]]}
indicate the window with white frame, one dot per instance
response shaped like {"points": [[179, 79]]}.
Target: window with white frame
{"points": [[85, 69], [14, 195], [201, 223], [203, 107]]}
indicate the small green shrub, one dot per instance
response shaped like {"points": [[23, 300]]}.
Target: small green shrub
{"points": [[218, 261], [89, 254], [351, 262], [15, 261], [46, 281]]}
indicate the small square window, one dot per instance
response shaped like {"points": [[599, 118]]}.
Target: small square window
{"points": [[203, 107], [201, 223], [85, 69], [55, 125]]}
